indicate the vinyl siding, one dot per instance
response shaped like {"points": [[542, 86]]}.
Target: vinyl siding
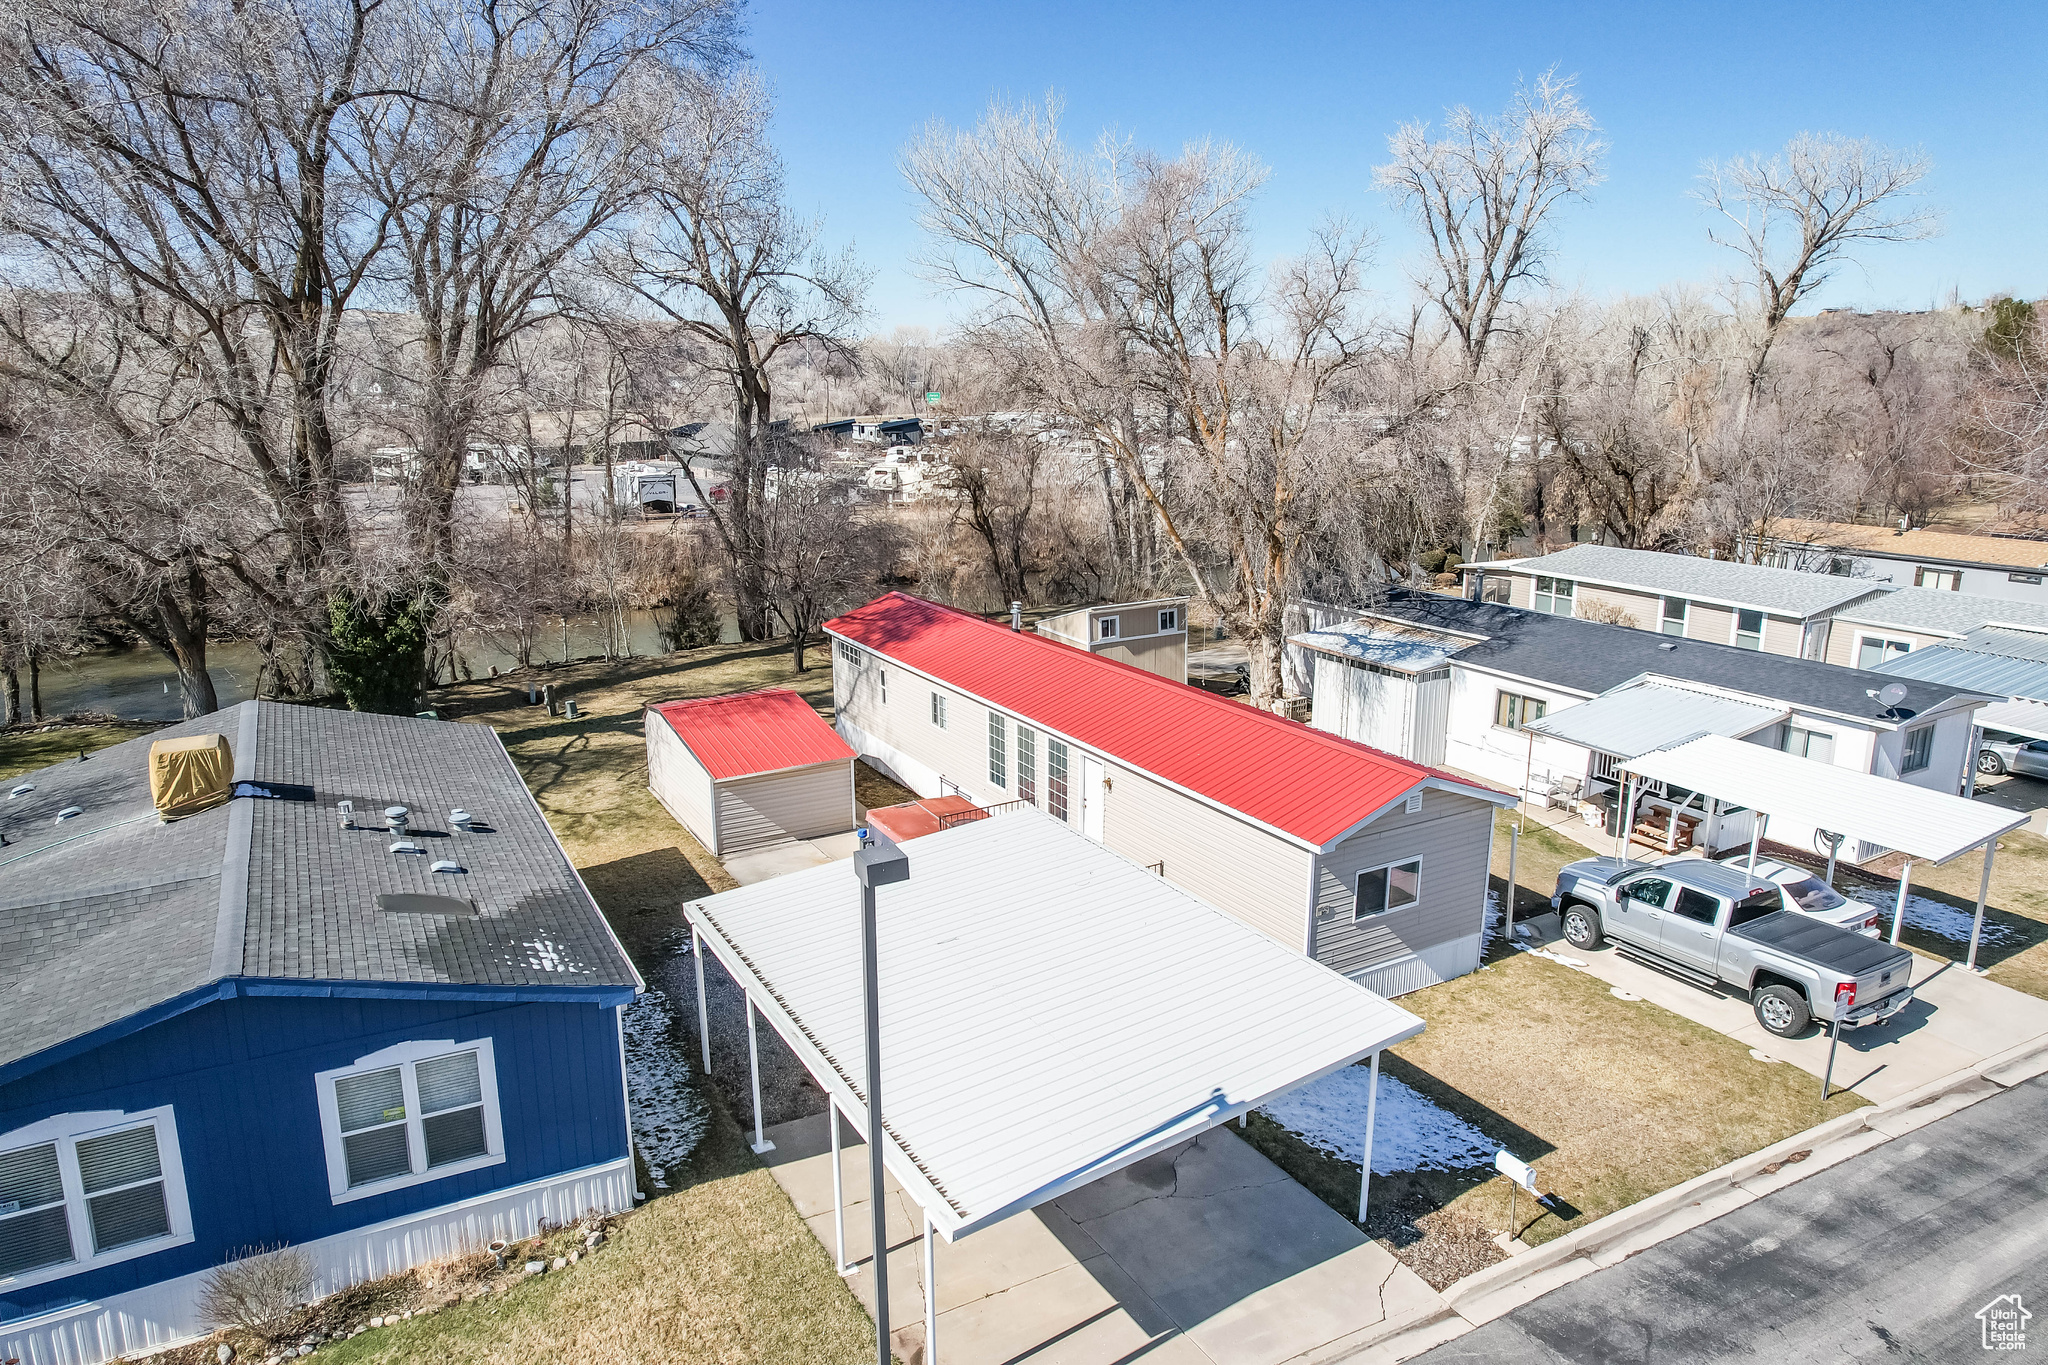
{"points": [[1449, 834], [1781, 635], [239, 1076], [901, 738], [679, 781], [1166, 655], [1705, 621], [1230, 863], [1844, 640], [807, 803], [1643, 609]]}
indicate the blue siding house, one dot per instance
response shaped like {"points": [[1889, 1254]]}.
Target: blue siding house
{"points": [[290, 1018]]}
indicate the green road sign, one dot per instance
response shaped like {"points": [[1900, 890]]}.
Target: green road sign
{"points": [[932, 398]]}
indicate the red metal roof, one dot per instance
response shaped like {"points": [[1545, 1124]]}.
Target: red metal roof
{"points": [[1301, 781], [914, 819], [753, 732]]}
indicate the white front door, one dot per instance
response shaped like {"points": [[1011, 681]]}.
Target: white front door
{"points": [[1092, 793]]}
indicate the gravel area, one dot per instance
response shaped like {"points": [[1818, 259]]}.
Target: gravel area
{"points": [[787, 1091]]}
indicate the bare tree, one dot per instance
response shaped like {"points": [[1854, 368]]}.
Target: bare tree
{"points": [[720, 255], [1795, 217], [1482, 196], [998, 478], [817, 557]]}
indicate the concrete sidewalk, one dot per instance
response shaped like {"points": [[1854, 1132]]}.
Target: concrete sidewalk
{"points": [[791, 855], [1207, 1254], [1956, 1020]]}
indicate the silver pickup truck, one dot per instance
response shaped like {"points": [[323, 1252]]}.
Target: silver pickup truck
{"points": [[1714, 923]]}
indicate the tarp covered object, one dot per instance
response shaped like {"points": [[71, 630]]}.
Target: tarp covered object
{"points": [[189, 775]]}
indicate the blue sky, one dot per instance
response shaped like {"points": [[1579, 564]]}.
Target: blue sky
{"points": [[1314, 89]]}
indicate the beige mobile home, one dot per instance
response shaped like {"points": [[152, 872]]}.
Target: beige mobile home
{"points": [[1152, 635], [1373, 864]]}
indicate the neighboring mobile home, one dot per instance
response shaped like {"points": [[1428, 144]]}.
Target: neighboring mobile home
{"points": [[1374, 865], [1749, 606], [751, 769], [383, 1043], [1527, 698], [1152, 635], [1885, 625], [2009, 567]]}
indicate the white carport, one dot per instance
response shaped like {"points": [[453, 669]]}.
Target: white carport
{"points": [[1926, 826], [1050, 1013]]}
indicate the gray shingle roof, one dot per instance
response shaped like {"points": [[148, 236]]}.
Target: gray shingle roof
{"points": [[1937, 612], [112, 912], [1591, 657], [1787, 591]]}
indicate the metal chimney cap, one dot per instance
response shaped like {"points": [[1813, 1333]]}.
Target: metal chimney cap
{"points": [[458, 816], [397, 812]]}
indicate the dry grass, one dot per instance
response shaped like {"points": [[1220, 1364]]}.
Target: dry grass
{"points": [[720, 1268], [23, 751], [2018, 903]]}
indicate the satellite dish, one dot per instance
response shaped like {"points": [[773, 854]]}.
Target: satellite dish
{"points": [[1891, 694]]}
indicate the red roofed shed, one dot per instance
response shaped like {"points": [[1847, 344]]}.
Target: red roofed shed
{"points": [[749, 769]]}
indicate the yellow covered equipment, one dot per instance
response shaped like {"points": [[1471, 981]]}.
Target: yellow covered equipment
{"points": [[187, 776]]}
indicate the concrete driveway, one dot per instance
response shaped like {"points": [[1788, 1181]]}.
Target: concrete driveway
{"points": [[1956, 1020], [1206, 1254]]}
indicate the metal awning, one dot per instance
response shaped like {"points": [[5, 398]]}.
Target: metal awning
{"points": [[1639, 717], [2028, 718], [1926, 826], [1051, 1011]]}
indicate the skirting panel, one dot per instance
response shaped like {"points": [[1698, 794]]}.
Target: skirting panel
{"points": [[1429, 967], [166, 1313]]}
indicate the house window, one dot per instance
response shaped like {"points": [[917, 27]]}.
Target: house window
{"points": [[1839, 567], [1393, 887], [2032, 578], [1554, 595], [1919, 749], [1027, 764], [1499, 590], [1872, 650], [1056, 779], [939, 709], [850, 656], [1169, 620], [1749, 629], [1105, 629], [1949, 580], [1815, 744], [84, 1190], [883, 674], [1673, 622], [410, 1113], [1511, 712], [998, 754]]}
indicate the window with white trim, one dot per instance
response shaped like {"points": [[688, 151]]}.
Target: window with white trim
{"points": [[1673, 620], [410, 1113], [80, 1191], [851, 656], [1749, 628], [1948, 580], [1027, 764], [939, 709], [1555, 595], [1395, 886], [1918, 749], [1169, 620], [998, 752], [1814, 744], [1872, 650], [1055, 779], [1105, 629]]}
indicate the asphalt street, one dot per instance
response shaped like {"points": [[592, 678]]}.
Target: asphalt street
{"points": [[1888, 1256]]}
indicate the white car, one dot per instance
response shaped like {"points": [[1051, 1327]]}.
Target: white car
{"points": [[1806, 893]]}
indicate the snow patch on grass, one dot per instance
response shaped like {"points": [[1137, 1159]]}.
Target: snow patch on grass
{"points": [[1411, 1133], [1935, 917], [669, 1118]]}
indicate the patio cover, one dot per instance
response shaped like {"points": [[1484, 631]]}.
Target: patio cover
{"points": [[2029, 718], [1051, 1012], [1926, 826], [1638, 717]]}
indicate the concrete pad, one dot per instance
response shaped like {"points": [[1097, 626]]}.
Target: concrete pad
{"points": [[779, 860], [1956, 1020], [1206, 1253]]}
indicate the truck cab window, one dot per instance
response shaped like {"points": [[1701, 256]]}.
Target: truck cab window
{"points": [[1697, 906], [1756, 907], [1649, 892]]}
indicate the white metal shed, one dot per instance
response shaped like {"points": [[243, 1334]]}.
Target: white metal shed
{"points": [[750, 769]]}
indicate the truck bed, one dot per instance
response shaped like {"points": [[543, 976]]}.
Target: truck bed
{"points": [[1853, 955]]}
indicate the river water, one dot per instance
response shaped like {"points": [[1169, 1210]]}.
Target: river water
{"points": [[140, 684]]}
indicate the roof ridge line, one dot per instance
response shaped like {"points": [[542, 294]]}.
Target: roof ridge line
{"points": [[231, 930]]}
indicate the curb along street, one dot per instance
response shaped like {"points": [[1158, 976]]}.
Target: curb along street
{"points": [[1481, 1297]]}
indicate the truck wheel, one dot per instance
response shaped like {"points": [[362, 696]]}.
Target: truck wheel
{"points": [[1581, 926], [1782, 1010]]}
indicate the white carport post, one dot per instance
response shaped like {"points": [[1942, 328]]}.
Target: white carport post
{"points": [[838, 1197], [931, 1294], [703, 1014], [1899, 913], [1983, 891], [1372, 1106], [1758, 823], [761, 1143]]}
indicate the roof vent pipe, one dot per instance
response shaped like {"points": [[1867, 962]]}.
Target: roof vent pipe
{"points": [[460, 819], [1016, 616], [396, 818], [1902, 527]]}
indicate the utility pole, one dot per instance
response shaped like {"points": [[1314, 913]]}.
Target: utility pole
{"points": [[878, 862]]}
